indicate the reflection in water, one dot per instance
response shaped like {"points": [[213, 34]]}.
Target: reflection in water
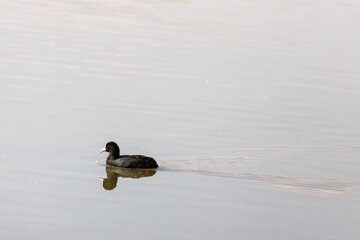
{"points": [[113, 173]]}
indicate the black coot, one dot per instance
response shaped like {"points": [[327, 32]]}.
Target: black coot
{"points": [[126, 161]]}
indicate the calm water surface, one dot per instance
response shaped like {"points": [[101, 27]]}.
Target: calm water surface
{"points": [[251, 109]]}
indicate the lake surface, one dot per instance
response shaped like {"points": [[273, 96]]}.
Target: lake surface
{"points": [[251, 109]]}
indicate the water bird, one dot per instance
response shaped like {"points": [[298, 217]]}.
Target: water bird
{"points": [[126, 161]]}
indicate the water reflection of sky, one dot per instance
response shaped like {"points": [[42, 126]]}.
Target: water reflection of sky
{"points": [[248, 106]]}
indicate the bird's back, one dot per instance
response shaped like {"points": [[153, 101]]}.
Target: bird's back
{"points": [[133, 161]]}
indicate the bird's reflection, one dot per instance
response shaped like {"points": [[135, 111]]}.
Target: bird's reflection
{"points": [[113, 173]]}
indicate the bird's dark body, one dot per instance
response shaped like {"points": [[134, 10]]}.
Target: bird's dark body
{"points": [[127, 161], [133, 161]]}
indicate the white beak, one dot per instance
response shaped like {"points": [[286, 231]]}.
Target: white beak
{"points": [[103, 150], [101, 179]]}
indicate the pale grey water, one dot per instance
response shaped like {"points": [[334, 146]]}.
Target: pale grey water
{"points": [[251, 109]]}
